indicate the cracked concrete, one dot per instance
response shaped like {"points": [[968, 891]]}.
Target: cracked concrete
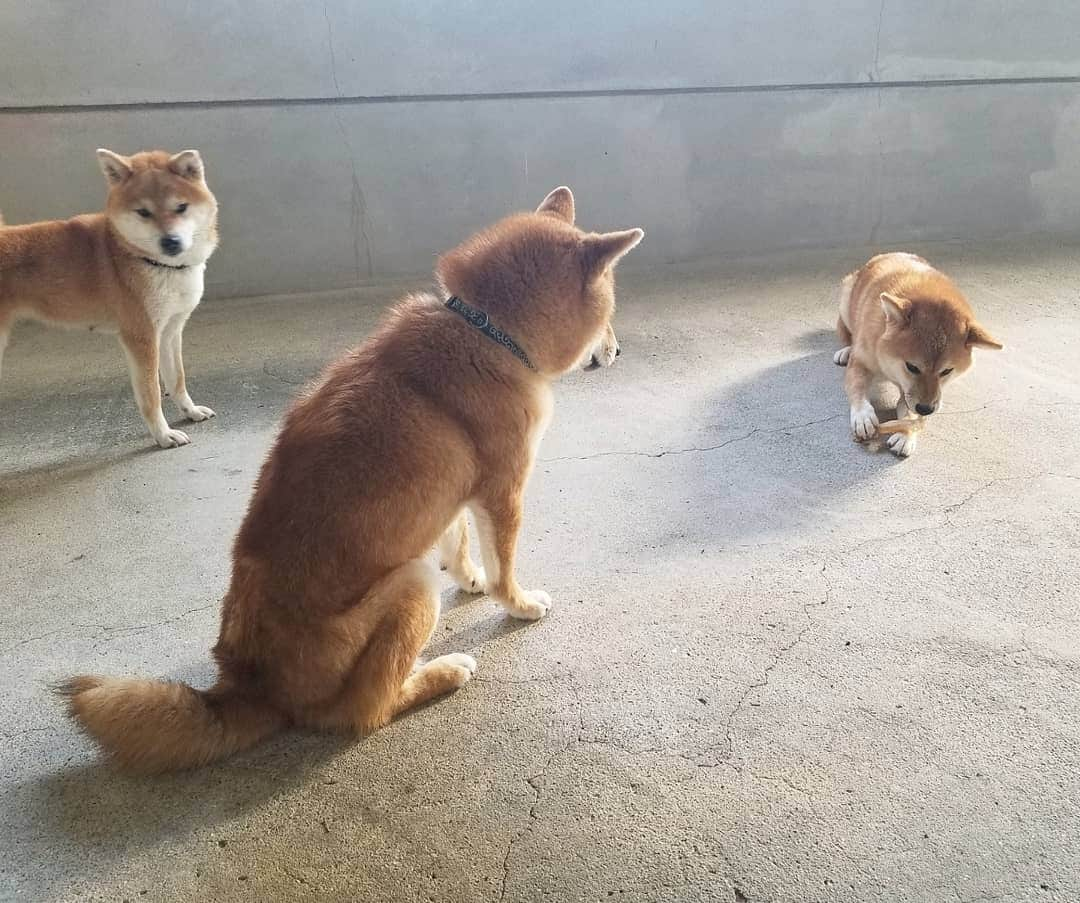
{"points": [[781, 667]]}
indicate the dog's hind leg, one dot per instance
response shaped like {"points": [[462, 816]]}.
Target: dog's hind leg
{"points": [[142, 356], [172, 370], [5, 335], [398, 616], [454, 555], [843, 333]]}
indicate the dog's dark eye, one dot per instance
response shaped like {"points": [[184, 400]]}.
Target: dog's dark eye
{"points": [[946, 371], [181, 208], [912, 368], [144, 213]]}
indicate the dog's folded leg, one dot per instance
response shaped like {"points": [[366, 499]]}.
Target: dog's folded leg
{"points": [[394, 622], [172, 370], [141, 352], [498, 519], [454, 556], [903, 444], [844, 334]]}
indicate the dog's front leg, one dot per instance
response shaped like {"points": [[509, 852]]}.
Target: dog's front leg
{"points": [[172, 370], [454, 556], [498, 519], [141, 351], [864, 421]]}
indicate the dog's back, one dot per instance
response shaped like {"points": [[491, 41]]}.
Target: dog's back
{"points": [[56, 271]]}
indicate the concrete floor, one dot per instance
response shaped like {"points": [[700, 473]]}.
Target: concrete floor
{"points": [[780, 666]]}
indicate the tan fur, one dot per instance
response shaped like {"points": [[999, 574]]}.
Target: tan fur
{"points": [[897, 311], [91, 272], [331, 601]]}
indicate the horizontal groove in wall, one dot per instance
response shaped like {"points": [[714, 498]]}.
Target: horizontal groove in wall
{"points": [[536, 95]]}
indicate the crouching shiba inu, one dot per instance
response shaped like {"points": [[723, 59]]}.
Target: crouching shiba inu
{"points": [[136, 270], [440, 410], [903, 321]]}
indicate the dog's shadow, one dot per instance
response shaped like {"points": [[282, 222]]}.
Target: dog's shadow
{"points": [[772, 456], [103, 816]]}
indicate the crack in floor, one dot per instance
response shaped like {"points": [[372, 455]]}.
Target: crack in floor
{"points": [[536, 790], [756, 431]]}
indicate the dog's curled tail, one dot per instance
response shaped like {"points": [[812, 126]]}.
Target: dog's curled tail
{"points": [[151, 726]]}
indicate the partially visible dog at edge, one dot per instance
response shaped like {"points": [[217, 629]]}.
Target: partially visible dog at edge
{"points": [[903, 321], [135, 270], [440, 410]]}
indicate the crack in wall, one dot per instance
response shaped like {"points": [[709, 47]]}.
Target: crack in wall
{"points": [[358, 214]]}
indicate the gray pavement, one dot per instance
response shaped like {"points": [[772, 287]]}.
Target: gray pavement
{"points": [[780, 666]]}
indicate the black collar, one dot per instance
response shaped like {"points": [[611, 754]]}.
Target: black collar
{"points": [[479, 320], [168, 266]]}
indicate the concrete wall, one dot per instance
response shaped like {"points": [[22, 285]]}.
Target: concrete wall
{"points": [[352, 141]]}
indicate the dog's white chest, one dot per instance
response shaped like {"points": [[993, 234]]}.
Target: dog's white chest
{"points": [[170, 291]]}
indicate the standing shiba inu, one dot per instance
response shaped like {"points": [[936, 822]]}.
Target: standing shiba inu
{"points": [[136, 269], [903, 321], [440, 410]]}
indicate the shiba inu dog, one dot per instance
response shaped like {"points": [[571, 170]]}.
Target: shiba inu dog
{"points": [[136, 270], [440, 410], [903, 321]]}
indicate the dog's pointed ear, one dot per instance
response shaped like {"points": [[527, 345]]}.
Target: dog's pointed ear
{"points": [[895, 307], [978, 337], [117, 169], [559, 204], [188, 164], [602, 250]]}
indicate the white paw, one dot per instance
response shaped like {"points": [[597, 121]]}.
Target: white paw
{"points": [[463, 666], [864, 421], [902, 444], [475, 581], [534, 605], [171, 438], [842, 356], [198, 412], [604, 354]]}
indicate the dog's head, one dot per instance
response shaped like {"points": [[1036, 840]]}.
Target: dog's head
{"points": [[160, 205], [928, 341], [546, 282]]}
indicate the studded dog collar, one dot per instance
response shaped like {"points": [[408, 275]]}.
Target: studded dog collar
{"points": [[479, 320]]}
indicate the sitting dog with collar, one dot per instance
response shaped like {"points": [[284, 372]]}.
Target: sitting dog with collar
{"points": [[441, 409], [135, 270]]}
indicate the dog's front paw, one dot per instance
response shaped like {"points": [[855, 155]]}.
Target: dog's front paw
{"points": [[864, 421], [171, 438], [842, 356], [902, 444], [198, 412], [532, 606], [460, 667], [474, 580]]}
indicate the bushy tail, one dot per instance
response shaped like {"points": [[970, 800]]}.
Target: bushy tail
{"points": [[150, 726]]}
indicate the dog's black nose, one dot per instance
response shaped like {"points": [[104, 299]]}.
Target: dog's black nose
{"points": [[925, 409], [170, 244], [618, 350]]}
